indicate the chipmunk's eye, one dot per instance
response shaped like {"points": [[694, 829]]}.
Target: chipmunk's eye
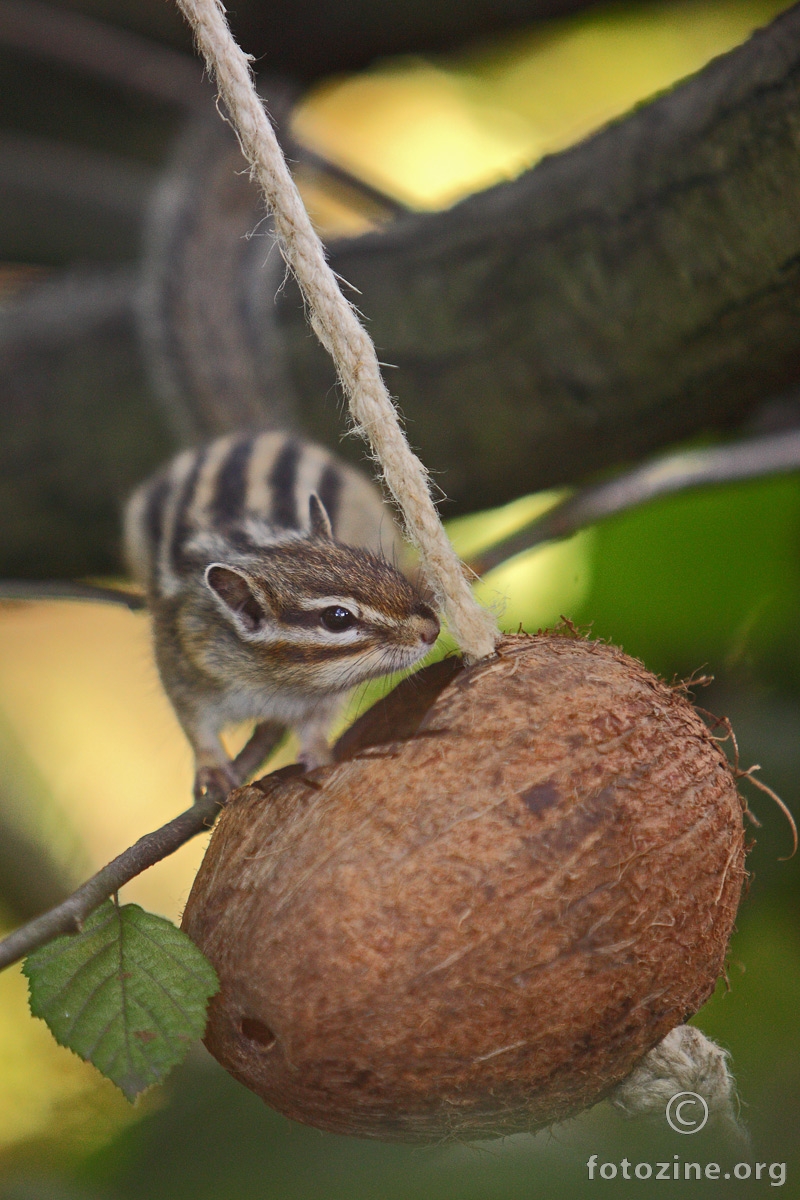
{"points": [[337, 618]]}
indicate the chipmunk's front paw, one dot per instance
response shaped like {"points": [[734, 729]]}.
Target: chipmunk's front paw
{"points": [[216, 782]]}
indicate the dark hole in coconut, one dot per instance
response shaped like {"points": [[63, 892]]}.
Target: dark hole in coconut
{"points": [[256, 1031]]}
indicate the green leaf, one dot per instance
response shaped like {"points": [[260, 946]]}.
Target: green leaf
{"points": [[128, 993]]}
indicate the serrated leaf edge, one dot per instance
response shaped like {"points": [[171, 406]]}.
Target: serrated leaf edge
{"points": [[147, 1074]]}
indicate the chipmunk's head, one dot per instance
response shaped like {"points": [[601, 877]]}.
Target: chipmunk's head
{"points": [[322, 615]]}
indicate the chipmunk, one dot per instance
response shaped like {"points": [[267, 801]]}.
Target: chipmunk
{"points": [[259, 610]]}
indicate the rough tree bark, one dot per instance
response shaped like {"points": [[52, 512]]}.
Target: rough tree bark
{"points": [[636, 289]]}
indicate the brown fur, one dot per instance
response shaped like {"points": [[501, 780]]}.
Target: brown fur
{"points": [[238, 609]]}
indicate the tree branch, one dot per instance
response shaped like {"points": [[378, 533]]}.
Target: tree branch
{"points": [[49, 589], [359, 189], [635, 290], [630, 292], [68, 916], [774, 455], [754, 458], [396, 716]]}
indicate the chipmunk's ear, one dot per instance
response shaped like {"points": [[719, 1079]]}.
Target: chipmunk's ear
{"points": [[237, 594], [320, 521]]}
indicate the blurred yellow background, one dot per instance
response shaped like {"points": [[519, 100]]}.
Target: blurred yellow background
{"points": [[429, 133]]}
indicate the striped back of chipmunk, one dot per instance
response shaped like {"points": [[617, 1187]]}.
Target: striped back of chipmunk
{"points": [[238, 481]]}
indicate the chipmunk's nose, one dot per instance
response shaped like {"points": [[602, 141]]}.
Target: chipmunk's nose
{"points": [[428, 625]]}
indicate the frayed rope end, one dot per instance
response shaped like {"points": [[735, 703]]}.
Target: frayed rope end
{"points": [[685, 1061]]}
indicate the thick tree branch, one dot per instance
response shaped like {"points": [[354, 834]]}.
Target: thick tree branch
{"points": [[635, 290], [629, 292], [68, 916]]}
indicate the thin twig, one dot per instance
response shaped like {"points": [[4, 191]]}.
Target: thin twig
{"points": [[751, 459], [69, 916], [772, 455], [49, 589], [339, 174], [745, 460]]}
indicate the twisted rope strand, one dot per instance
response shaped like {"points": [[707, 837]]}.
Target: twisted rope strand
{"points": [[335, 323]]}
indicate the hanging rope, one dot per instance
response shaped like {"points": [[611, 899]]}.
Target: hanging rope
{"points": [[338, 328]]}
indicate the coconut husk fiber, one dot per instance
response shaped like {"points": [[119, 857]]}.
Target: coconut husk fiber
{"points": [[519, 879]]}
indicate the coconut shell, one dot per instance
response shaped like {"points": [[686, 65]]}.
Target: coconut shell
{"points": [[480, 928]]}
